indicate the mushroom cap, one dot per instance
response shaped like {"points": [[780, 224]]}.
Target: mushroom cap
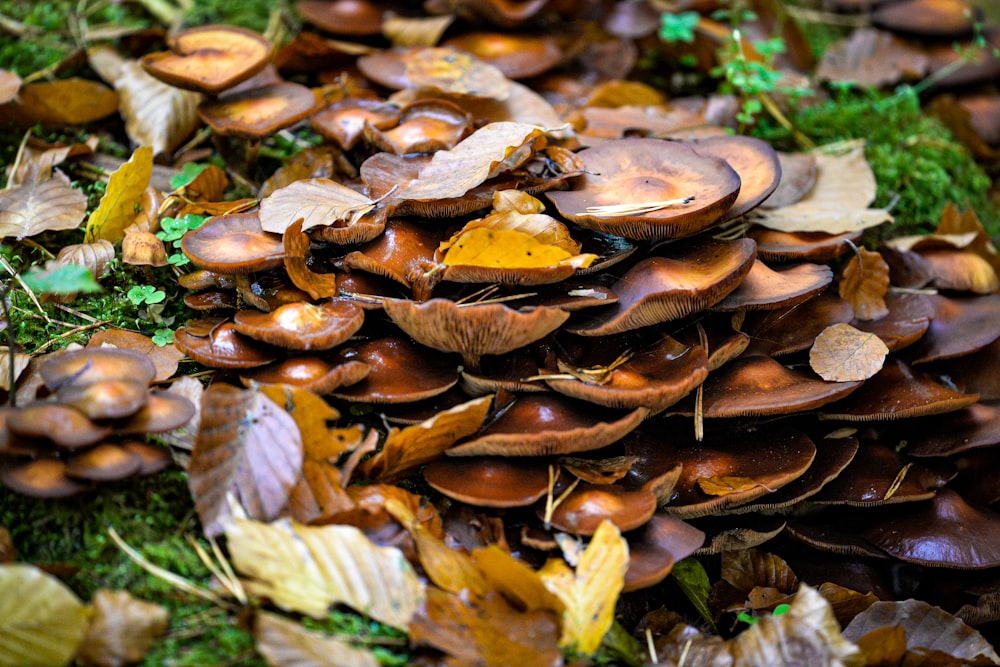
{"points": [[777, 246], [507, 371], [164, 411], [344, 121], [876, 471], [960, 325], [643, 171], [210, 58], [152, 458], [259, 112], [973, 427], [233, 243], [835, 540], [95, 364], [755, 162], [978, 372], [588, 505], [943, 532], [401, 372], [908, 320], [764, 288], [357, 18], [542, 425], [659, 289], [65, 426], [927, 18], [104, 463], [207, 301], [424, 126], [489, 481], [301, 325], [387, 67], [217, 344], [517, 56], [105, 399], [316, 374], [655, 547], [798, 176], [41, 478], [794, 329], [402, 246]]}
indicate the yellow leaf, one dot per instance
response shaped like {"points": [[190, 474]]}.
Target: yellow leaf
{"points": [[591, 592], [842, 353], [117, 208], [285, 642], [722, 485], [503, 249]]}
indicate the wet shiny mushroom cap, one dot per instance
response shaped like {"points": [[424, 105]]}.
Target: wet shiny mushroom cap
{"points": [[343, 17], [489, 481], [583, 510], [233, 243], [401, 371], [301, 325], [517, 56], [311, 372], [105, 399], [259, 112], [217, 344]]}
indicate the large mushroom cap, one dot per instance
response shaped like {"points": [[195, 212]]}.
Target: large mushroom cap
{"points": [[259, 112], [517, 56], [653, 550], [233, 243], [960, 325], [765, 288], [649, 172], [217, 344], [753, 159], [489, 481], [343, 17], [94, 364], [164, 411], [927, 18], [301, 325], [104, 463], [105, 399], [310, 372]]}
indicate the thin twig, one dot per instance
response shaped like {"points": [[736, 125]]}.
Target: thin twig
{"points": [[72, 332]]}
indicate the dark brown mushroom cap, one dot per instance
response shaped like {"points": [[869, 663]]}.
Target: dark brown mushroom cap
{"points": [[41, 478], [725, 341], [310, 372], [233, 243], [759, 386], [542, 425], [203, 279], [343, 17], [513, 372], [794, 329], [518, 56], [259, 112], [908, 320], [210, 58], [424, 126], [104, 463], [66, 427], [898, 392], [105, 399], [94, 364], [659, 289], [960, 325], [764, 288], [209, 300], [588, 505], [927, 18], [754, 161], [835, 539], [489, 481], [401, 371], [776, 246], [977, 373], [960, 431], [163, 412], [402, 246], [645, 171], [960, 270], [943, 532], [475, 329], [344, 122], [217, 344], [984, 114], [654, 548], [301, 325]]}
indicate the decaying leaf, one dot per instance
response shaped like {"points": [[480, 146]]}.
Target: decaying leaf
{"points": [[591, 592], [184, 437], [94, 256], [746, 569], [72, 101], [842, 353], [122, 630], [165, 358], [41, 621], [320, 202], [307, 569], [515, 580], [21, 361], [247, 446], [722, 485], [285, 643], [317, 285], [156, 114], [10, 82], [864, 284], [38, 206], [420, 31], [117, 207], [872, 58], [455, 72]]}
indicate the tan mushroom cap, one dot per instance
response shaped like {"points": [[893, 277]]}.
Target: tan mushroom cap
{"points": [[794, 329], [105, 399], [875, 477], [344, 122], [475, 329], [104, 463], [401, 371], [960, 326], [387, 67], [233, 243], [152, 458], [963, 430], [927, 18], [907, 322], [41, 478], [259, 112], [798, 176], [301, 325], [755, 162], [163, 412], [588, 505], [424, 126], [210, 58], [310, 372], [517, 56], [653, 550], [645, 171], [543, 425], [659, 289], [65, 426], [725, 340], [944, 532], [343, 17], [776, 246], [94, 364], [765, 288], [489, 481], [217, 344]]}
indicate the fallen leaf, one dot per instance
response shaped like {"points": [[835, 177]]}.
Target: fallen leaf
{"points": [[307, 569], [518, 583], [884, 647], [94, 256], [864, 284], [746, 569], [117, 207], [156, 114], [165, 358], [842, 353], [297, 243], [122, 629], [589, 593], [41, 621], [285, 643], [722, 485], [872, 58], [73, 101], [41, 206], [419, 31], [320, 202], [455, 72], [21, 361], [184, 437], [10, 83], [247, 446]]}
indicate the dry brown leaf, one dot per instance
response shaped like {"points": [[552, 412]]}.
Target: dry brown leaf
{"points": [[884, 647], [209, 185], [124, 192], [723, 485], [285, 643], [72, 101], [156, 114], [320, 202], [846, 603], [307, 569], [745, 569], [41, 159], [842, 353], [864, 284], [455, 72], [417, 31], [21, 361], [297, 243], [406, 450], [122, 630], [41, 621], [590, 593], [515, 580], [872, 58], [247, 446], [94, 256], [10, 83], [41, 206]]}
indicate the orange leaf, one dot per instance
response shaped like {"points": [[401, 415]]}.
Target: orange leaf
{"points": [[317, 285], [842, 353], [68, 102], [864, 284], [722, 485]]}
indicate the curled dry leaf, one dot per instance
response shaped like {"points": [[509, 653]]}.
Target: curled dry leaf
{"points": [[307, 569], [38, 206], [842, 353], [156, 114], [317, 285], [94, 256], [41, 621], [422, 31], [21, 362], [320, 202], [746, 569], [864, 284], [124, 192], [122, 629], [285, 643]]}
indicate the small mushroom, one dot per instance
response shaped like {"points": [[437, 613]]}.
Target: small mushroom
{"points": [[94, 364], [401, 372], [310, 372], [217, 344], [233, 243], [66, 427], [105, 399], [41, 478], [588, 505], [104, 463], [489, 481]]}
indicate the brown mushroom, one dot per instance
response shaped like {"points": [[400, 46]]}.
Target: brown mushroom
{"points": [[41, 478], [927, 18], [517, 56], [344, 122], [343, 17], [401, 372], [489, 481], [66, 427], [880, 476], [233, 243], [764, 288], [302, 326], [424, 126], [588, 505], [960, 431], [655, 547], [794, 329], [217, 344], [94, 364], [210, 58], [259, 112], [104, 463], [776, 246], [314, 373], [105, 399], [754, 161], [164, 411]]}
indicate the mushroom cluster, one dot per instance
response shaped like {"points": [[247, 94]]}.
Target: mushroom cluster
{"points": [[91, 428]]}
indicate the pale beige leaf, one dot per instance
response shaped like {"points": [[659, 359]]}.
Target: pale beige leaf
{"points": [[837, 203], [94, 256], [589, 594], [156, 114], [21, 361], [842, 353], [122, 629], [41, 620], [320, 202], [191, 389], [864, 284], [455, 72], [285, 643], [106, 61], [10, 82], [416, 31], [307, 569], [117, 208], [41, 206]]}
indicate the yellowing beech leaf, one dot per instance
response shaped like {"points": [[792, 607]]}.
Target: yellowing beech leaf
{"points": [[319, 201], [864, 284], [837, 203], [41, 621], [156, 114], [123, 629], [590, 594], [842, 353], [308, 569], [73, 101], [422, 31], [487, 152], [518, 582], [117, 208], [39, 206], [506, 249], [723, 485], [286, 643]]}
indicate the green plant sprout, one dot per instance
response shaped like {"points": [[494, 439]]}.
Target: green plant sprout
{"points": [[780, 610], [145, 295], [172, 230], [163, 336]]}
